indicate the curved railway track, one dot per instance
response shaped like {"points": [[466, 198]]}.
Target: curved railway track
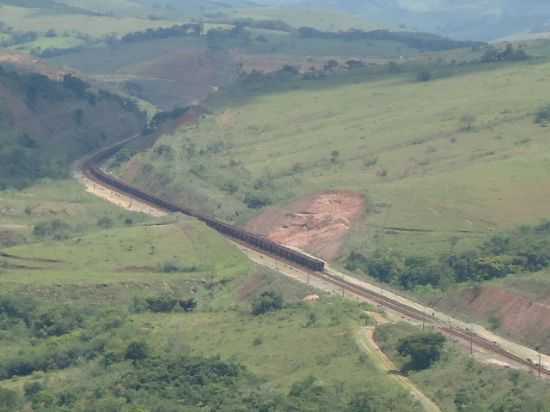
{"points": [[314, 267]]}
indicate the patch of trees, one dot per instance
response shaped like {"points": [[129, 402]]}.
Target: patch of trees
{"points": [[414, 40], [164, 303], [526, 249], [53, 336], [269, 301], [181, 30], [55, 229], [508, 54], [542, 116], [422, 349], [161, 118], [24, 158]]}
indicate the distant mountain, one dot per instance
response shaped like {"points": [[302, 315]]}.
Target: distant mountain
{"points": [[466, 19]]}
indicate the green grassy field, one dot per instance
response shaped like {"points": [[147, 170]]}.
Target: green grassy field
{"points": [[26, 19], [47, 201], [298, 17], [458, 157], [109, 269]]}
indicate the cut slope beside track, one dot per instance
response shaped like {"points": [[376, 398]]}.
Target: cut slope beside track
{"points": [[482, 340]]}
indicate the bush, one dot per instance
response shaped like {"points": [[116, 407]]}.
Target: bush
{"points": [[175, 267], [137, 351], [55, 229], [161, 304], [542, 117], [424, 76], [8, 400], [256, 200], [423, 349], [267, 302], [105, 222]]}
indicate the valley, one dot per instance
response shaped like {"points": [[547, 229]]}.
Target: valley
{"points": [[414, 164]]}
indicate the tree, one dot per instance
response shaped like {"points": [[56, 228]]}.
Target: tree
{"points": [[424, 76], [267, 302], [423, 349], [8, 400], [137, 351], [467, 122]]}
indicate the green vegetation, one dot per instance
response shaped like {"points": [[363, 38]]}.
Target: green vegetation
{"points": [[93, 322], [526, 249], [267, 302], [437, 180], [27, 106], [423, 349], [459, 383], [57, 209]]}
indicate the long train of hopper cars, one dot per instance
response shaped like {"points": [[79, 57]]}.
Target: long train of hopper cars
{"points": [[92, 170]]}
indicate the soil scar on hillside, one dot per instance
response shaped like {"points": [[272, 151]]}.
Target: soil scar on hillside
{"points": [[317, 224]]}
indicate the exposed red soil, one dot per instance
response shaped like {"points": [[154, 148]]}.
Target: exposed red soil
{"points": [[519, 315], [317, 224]]}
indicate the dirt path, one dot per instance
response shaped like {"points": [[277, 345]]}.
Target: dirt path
{"points": [[365, 340]]}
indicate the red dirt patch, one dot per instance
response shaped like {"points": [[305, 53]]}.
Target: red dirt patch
{"points": [[317, 224], [519, 315]]}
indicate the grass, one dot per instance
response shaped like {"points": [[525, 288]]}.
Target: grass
{"points": [[456, 382], [25, 19], [277, 346], [45, 43], [298, 17], [126, 254], [49, 200], [110, 267], [400, 142]]}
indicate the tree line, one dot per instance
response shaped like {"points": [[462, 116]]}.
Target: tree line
{"points": [[526, 249]]}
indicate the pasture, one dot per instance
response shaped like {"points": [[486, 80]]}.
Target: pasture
{"points": [[441, 163]]}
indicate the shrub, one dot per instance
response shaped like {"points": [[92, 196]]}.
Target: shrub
{"points": [[8, 400], [55, 229], [267, 302], [161, 304], [188, 305], [175, 267], [256, 200], [423, 349], [105, 222], [542, 117], [424, 76], [137, 351]]}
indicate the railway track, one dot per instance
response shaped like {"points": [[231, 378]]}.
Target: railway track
{"points": [[314, 267]]}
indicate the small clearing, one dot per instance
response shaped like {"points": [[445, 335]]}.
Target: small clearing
{"points": [[317, 224]]}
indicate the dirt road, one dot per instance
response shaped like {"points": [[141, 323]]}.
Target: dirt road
{"points": [[365, 340]]}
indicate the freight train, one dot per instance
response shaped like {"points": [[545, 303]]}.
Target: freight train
{"points": [[91, 169]]}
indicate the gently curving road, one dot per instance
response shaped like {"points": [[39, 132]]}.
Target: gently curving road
{"points": [[484, 344]]}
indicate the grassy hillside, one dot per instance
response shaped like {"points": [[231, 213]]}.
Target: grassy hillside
{"points": [[84, 310], [452, 159], [48, 124], [458, 383]]}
